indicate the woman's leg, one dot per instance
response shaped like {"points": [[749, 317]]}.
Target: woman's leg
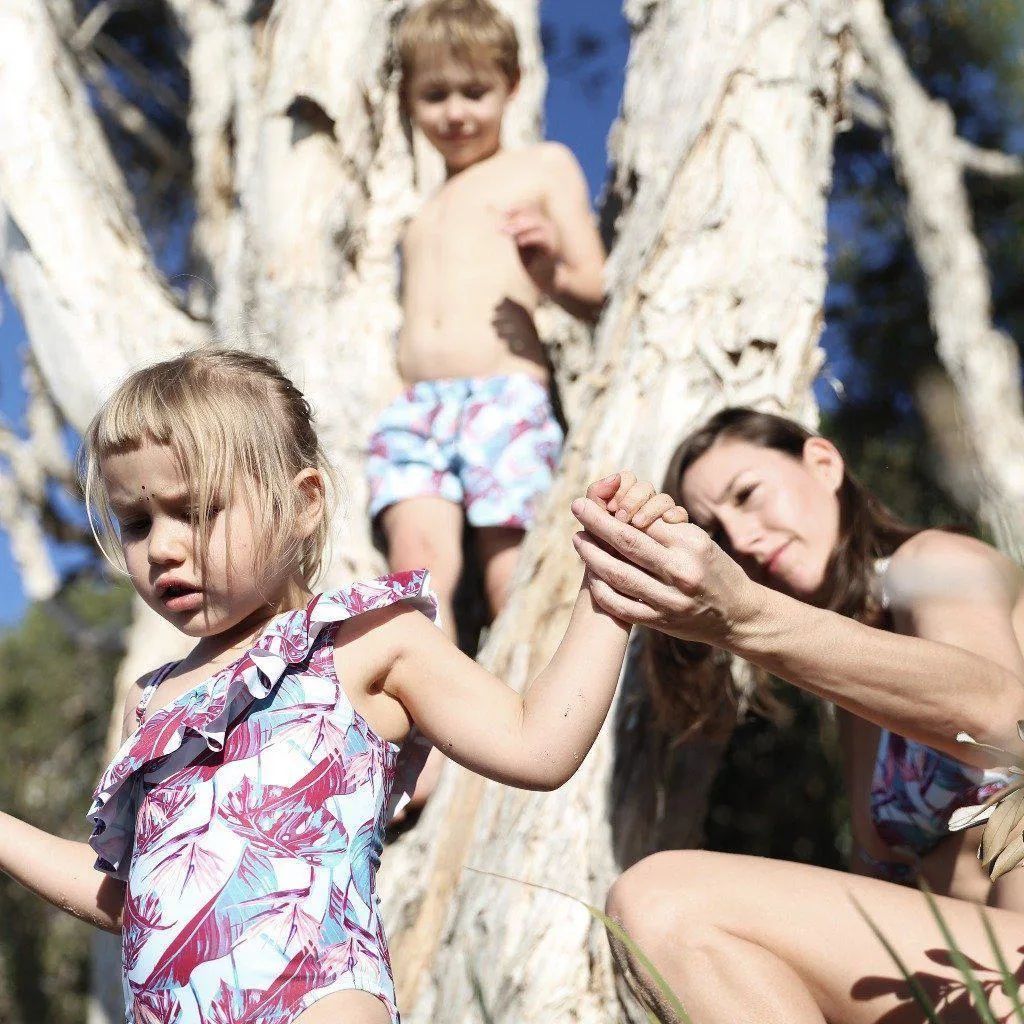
{"points": [[768, 942]]}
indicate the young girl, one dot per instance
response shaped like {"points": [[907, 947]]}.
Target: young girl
{"points": [[238, 829]]}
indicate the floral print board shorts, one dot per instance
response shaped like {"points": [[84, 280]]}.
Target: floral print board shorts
{"points": [[490, 444]]}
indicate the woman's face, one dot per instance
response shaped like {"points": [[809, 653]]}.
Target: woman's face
{"points": [[778, 515]]}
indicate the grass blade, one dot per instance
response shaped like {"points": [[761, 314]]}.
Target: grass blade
{"points": [[916, 989], [981, 1006], [1010, 985], [615, 929]]}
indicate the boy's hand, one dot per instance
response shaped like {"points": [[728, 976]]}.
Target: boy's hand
{"points": [[539, 244], [635, 501]]}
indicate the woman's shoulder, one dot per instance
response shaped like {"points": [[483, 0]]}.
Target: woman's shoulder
{"points": [[941, 563]]}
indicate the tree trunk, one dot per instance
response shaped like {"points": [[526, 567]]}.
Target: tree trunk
{"points": [[722, 159]]}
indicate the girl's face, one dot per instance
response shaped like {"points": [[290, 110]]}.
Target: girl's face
{"points": [[776, 514], [459, 108], [159, 537]]}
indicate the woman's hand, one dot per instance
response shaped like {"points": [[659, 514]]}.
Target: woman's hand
{"points": [[647, 564]]}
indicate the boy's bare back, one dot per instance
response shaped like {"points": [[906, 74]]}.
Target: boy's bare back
{"points": [[468, 297]]}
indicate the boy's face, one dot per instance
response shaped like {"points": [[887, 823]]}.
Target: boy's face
{"points": [[459, 108]]}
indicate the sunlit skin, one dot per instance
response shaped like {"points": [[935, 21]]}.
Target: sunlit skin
{"points": [[753, 939], [459, 108], [776, 514], [155, 514]]}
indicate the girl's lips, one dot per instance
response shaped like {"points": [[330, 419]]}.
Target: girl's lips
{"points": [[183, 601]]}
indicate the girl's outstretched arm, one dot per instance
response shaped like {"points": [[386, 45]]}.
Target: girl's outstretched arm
{"points": [[534, 740], [62, 872]]}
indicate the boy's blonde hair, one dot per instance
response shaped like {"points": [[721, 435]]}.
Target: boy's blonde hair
{"points": [[229, 417], [471, 31]]}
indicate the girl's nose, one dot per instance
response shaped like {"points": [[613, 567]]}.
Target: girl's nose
{"points": [[166, 546]]}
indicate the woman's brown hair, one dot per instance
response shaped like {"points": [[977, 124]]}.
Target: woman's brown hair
{"points": [[684, 677]]}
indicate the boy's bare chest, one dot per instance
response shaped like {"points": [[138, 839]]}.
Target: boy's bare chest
{"points": [[478, 205]]}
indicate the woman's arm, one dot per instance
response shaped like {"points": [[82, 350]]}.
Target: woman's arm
{"points": [[957, 675]]}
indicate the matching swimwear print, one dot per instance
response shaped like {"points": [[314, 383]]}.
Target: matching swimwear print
{"points": [[490, 444], [248, 818], [914, 792]]}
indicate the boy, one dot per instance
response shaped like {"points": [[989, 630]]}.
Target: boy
{"points": [[474, 434]]}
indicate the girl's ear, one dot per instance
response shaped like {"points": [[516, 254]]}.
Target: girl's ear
{"points": [[312, 499], [821, 458]]}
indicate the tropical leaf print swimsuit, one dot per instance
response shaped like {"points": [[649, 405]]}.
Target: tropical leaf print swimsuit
{"points": [[247, 818]]}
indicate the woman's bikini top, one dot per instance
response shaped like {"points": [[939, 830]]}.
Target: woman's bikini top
{"points": [[915, 790]]}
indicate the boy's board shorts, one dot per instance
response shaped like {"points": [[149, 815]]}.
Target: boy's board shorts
{"points": [[489, 444]]}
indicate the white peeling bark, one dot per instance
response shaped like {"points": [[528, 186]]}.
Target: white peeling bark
{"points": [[723, 158], [981, 360], [71, 251]]}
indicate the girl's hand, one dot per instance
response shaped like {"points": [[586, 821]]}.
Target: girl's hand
{"points": [[669, 575], [635, 501]]}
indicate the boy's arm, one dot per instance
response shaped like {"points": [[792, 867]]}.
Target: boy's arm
{"points": [[560, 243]]}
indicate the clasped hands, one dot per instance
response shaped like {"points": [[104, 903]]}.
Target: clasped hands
{"points": [[648, 564]]}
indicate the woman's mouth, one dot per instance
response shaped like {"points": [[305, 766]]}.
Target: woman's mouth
{"points": [[772, 562]]}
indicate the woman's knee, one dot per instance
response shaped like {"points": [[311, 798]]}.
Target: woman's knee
{"points": [[661, 901]]}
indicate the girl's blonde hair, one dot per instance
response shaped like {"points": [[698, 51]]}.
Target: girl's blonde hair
{"points": [[230, 417], [471, 31]]}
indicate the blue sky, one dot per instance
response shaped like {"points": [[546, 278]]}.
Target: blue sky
{"points": [[583, 96]]}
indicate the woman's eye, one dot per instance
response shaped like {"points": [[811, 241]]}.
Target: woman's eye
{"points": [[744, 495]]}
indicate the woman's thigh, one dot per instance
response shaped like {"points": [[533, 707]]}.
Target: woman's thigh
{"points": [[809, 918], [353, 1007]]}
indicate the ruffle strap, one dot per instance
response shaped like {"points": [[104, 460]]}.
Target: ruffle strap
{"points": [[199, 719]]}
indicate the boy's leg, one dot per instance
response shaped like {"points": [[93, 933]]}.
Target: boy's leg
{"points": [[498, 548], [426, 533]]}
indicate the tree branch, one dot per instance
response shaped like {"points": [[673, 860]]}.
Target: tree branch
{"points": [[992, 163], [72, 254], [981, 361]]}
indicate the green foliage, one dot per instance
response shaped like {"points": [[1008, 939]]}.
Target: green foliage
{"points": [[56, 688]]}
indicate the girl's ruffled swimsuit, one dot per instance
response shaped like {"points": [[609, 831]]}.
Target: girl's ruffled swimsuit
{"points": [[914, 792], [247, 818]]}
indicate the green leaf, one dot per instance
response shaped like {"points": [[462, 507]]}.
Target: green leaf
{"points": [[916, 989], [1010, 986], [617, 930], [984, 1011]]}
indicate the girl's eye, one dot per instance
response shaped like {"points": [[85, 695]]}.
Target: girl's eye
{"points": [[434, 96], [476, 92], [192, 516], [135, 528]]}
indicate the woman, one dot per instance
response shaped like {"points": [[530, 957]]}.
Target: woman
{"points": [[789, 563]]}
